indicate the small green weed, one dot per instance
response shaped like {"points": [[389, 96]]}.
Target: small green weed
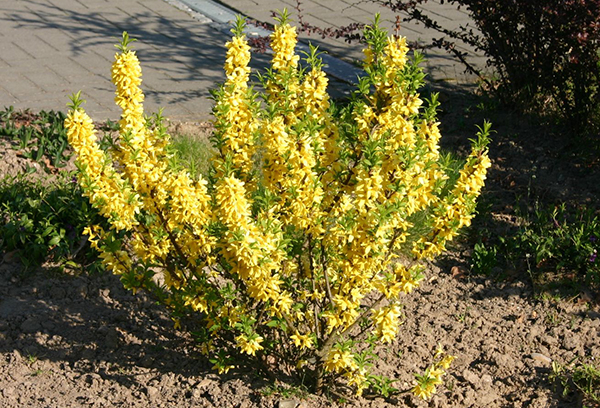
{"points": [[586, 378], [549, 297], [558, 246], [484, 258], [581, 378], [39, 372], [40, 136], [32, 358], [462, 317], [552, 319], [563, 241]]}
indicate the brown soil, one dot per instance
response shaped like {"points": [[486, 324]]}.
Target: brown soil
{"points": [[81, 340]]}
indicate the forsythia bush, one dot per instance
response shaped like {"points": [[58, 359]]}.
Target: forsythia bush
{"points": [[291, 251]]}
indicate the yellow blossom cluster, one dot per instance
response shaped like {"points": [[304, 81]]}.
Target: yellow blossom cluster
{"points": [[253, 255], [386, 322], [106, 189], [339, 361], [283, 42], [127, 77], [302, 340], [399, 280], [249, 345], [293, 137], [396, 174]]}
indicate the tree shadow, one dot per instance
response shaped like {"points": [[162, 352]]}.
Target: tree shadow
{"points": [[159, 39]]}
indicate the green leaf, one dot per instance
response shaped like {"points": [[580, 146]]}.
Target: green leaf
{"points": [[40, 153], [47, 231], [239, 26], [76, 101], [123, 46], [273, 323]]}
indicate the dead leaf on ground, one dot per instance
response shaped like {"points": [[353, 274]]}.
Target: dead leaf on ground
{"points": [[459, 272]]}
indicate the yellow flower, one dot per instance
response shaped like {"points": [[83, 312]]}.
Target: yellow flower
{"points": [[284, 303], [439, 351], [395, 53], [409, 279], [198, 304], [446, 361], [426, 384], [249, 345], [223, 369], [206, 347], [358, 378], [237, 59], [436, 375], [302, 340], [369, 56], [232, 202], [339, 361], [424, 391]]}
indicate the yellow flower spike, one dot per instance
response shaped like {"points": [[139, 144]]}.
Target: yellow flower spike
{"points": [[395, 53], [237, 60], [283, 43], [105, 187], [232, 202], [126, 75], [234, 114]]}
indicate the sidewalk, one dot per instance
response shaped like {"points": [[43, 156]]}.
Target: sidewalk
{"points": [[50, 49]]}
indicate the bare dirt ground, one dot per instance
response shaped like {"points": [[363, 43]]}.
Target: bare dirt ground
{"points": [[81, 340]]}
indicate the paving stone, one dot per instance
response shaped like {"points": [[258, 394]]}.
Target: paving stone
{"points": [[45, 78], [13, 53]]}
